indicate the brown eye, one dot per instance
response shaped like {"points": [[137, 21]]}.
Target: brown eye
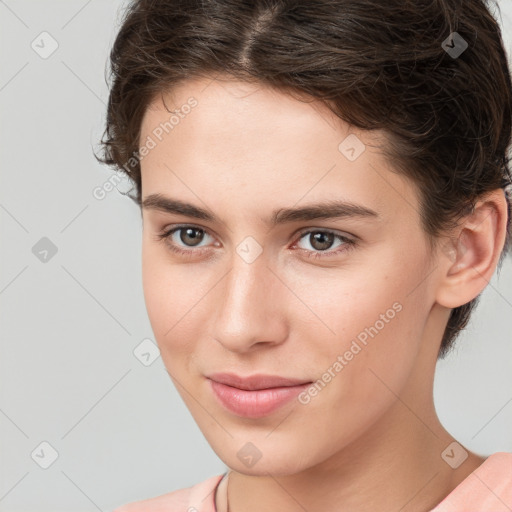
{"points": [[322, 243], [191, 236], [185, 240], [321, 240]]}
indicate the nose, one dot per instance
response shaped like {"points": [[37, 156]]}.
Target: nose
{"points": [[251, 307]]}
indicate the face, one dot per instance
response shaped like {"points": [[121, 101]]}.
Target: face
{"points": [[242, 274]]}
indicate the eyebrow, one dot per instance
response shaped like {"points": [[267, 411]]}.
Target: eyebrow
{"points": [[333, 209]]}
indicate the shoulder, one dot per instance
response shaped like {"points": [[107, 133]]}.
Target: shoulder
{"points": [[197, 498], [496, 471], [488, 488]]}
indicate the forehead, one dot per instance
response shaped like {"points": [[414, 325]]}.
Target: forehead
{"points": [[262, 146], [244, 111]]}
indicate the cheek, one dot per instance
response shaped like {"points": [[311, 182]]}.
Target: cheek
{"points": [[368, 362], [156, 289], [364, 304], [176, 297], [170, 293], [376, 321]]}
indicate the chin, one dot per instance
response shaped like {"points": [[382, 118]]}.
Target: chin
{"points": [[261, 458]]}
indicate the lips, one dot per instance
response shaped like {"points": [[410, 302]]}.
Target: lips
{"points": [[255, 382], [254, 396]]}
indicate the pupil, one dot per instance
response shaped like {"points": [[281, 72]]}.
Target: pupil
{"points": [[189, 233], [325, 240]]}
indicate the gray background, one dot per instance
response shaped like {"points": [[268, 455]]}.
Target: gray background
{"points": [[70, 325]]}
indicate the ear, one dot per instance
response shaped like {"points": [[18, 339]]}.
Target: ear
{"points": [[470, 259]]}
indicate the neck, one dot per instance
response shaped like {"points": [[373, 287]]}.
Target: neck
{"points": [[410, 476]]}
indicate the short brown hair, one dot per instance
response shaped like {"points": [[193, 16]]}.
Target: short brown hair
{"points": [[377, 64]]}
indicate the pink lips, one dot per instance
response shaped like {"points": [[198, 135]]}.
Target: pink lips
{"points": [[254, 396]]}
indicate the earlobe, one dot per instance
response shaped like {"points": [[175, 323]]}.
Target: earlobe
{"points": [[470, 260]]}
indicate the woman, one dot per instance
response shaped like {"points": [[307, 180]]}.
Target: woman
{"points": [[323, 188]]}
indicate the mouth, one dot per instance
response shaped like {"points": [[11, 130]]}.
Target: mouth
{"points": [[255, 396], [256, 382]]}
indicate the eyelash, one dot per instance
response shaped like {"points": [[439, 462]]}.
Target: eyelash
{"points": [[348, 243]]}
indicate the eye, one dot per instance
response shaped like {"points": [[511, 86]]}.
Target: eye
{"points": [[189, 236], [322, 240], [179, 238]]}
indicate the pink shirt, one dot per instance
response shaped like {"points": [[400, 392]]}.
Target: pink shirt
{"points": [[487, 489]]}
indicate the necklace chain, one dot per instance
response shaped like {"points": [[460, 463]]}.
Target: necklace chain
{"points": [[227, 489], [227, 495]]}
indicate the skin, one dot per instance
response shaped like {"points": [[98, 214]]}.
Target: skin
{"points": [[370, 439]]}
